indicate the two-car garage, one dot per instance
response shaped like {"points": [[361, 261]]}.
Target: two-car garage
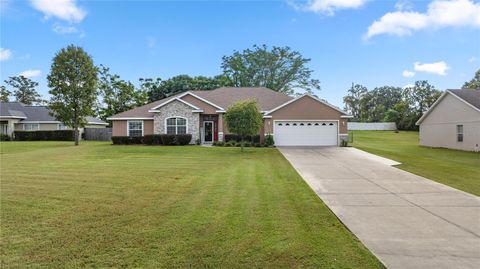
{"points": [[305, 133]]}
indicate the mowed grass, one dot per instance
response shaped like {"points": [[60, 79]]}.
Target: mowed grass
{"points": [[458, 169], [98, 205]]}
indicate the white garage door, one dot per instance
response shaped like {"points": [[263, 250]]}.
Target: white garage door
{"points": [[305, 133]]}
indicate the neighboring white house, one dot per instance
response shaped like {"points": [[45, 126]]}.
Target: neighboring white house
{"points": [[453, 121], [15, 116]]}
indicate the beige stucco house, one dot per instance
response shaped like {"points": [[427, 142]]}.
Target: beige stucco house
{"points": [[305, 120], [15, 116], [453, 121]]}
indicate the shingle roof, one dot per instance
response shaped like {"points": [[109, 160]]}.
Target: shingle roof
{"points": [[33, 113], [13, 110], [142, 111], [224, 97], [468, 95]]}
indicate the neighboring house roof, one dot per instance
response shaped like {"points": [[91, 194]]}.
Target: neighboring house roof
{"points": [[469, 97], [12, 110], [221, 98], [34, 113]]}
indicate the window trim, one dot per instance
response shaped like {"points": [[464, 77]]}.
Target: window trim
{"points": [[128, 127], [459, 133], [36, 129], [176, 125]]}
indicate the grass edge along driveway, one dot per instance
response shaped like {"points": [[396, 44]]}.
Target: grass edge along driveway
{"points": [[455, 168], [98, 205]]}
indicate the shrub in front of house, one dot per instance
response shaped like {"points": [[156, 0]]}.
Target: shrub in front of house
{"points": [[154, 139], [183, 139], [162, 139], [219, 143], [54, 135], [269, 140], [238, 138], [168, 139], [4, 137], [127, 140]]}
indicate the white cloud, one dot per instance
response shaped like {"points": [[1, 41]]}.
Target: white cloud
{"points": [[438, 68], [408, 86], [408, 74], [440, 14], [30, 73], [5, 54], [63, 9], [327, 7], [62, 29], [472, 60], [404, 5]]}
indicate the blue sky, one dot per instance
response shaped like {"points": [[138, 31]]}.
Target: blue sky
{"points": [[373, 43]]}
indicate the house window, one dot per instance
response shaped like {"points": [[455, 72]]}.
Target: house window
{"points": [[459, 133], [176, 126], [135, 128], [62, 126], [31, 126]]}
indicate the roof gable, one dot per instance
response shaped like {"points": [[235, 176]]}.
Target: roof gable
{"points": [[306, 96], [155, 109], [454, 93]]}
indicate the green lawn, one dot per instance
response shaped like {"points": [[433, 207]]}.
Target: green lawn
{"points": [[458, 169], [99, 205]]}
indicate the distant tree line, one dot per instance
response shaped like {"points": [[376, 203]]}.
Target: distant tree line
{"points": [[404, 106]]}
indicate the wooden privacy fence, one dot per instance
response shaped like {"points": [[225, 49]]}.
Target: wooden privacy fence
{"points": [[98, 134]]}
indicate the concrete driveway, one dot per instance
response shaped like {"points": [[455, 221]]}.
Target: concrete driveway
{"points": [[407, 221]]}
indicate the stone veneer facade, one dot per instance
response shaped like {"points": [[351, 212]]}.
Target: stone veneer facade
{"points": [[177, 109]]}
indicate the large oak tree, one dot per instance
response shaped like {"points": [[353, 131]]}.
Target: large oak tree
{"points": [[280, 69]]}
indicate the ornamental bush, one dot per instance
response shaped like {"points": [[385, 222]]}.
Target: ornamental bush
{"points": [[183, 139], [53, 135], [152, 139], [168, 139], [127, 140]]}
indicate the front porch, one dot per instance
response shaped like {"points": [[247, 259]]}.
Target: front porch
{"points": [[211, 128], [7, 126]]}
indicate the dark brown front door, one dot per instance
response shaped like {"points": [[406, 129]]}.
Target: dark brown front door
{"points": [[208, 127]]}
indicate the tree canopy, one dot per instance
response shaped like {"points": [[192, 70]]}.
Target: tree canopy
{"points": [[474, 83], [158, 89], [24, 90], [387, 103], [243, 118], [4, 94], [280, 69], [73, 87], [117, 95]]}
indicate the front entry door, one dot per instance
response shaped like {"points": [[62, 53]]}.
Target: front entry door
{"points": [[208, 127]]}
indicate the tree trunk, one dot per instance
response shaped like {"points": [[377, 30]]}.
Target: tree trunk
{"points": [[75, 129], [241, 143], [76, 135]]}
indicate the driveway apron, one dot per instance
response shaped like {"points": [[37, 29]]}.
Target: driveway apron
{"points": [[406, 220]]}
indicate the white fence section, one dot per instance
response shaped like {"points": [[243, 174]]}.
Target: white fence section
{"points": [[373, 126]]}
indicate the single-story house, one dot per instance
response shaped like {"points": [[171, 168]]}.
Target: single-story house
{"points": [[300, 121], [15, 116], [453, 121]]}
